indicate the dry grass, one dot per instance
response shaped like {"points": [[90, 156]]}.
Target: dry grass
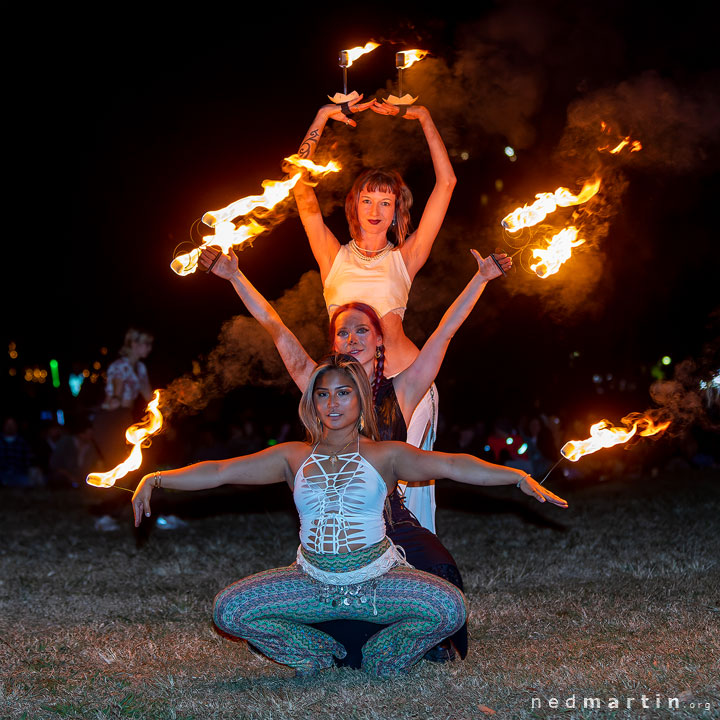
{"points": [[616, 597]]}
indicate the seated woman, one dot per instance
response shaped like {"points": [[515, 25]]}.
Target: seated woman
{"points": [[379, 263], [356, 330], [346, 565]]}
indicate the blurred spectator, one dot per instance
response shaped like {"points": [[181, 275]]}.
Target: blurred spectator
{"points": [[15, 457], [508, 446], [127, 380], [75, 456], [541, 450]]}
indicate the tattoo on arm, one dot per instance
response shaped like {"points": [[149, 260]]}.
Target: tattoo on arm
{"points": [[307, 144]]}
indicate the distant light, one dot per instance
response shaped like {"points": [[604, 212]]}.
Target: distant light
{"points": [[55, 373], [597, 378], [522, 449], [96, 365], [75, 382], [509, 151], [499, 185], [272, 441], [666, 360], [575, 353], [509, 441], [103, 351], [609, 377], [464, 155], [487, 448], [13, 354], [60, 417], [484, 199]]}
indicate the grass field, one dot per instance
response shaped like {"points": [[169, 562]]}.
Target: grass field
{"points": [[614, 599]]}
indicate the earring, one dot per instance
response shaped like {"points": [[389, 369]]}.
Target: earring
{"points": [[361, 423], [378, 352]]}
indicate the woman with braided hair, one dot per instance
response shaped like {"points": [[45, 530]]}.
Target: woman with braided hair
{"points": [[346, 567], [356, 330]]}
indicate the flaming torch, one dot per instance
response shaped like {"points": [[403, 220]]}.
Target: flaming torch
{"points": [[227, 234], [556, 253], [547, 203], [604, 434], [403, 60], [138, 436], [347, 58]]}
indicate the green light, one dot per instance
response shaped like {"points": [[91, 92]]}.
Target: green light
{"points": [[666, 360], [55, 374]]}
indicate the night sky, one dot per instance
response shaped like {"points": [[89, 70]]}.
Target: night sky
{"points": [[131, 127]]}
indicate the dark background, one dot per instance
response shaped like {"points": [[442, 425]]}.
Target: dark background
{"points": [[128, 126]]}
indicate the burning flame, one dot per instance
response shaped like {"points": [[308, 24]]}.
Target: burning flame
{"points": [[556, 253], [635, 145], [407, 58], [547, 203], [137, 435], [227, 234], [349, 56], [604, 435]]}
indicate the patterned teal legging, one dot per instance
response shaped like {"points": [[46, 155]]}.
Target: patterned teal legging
{"points": [[272, 610]]}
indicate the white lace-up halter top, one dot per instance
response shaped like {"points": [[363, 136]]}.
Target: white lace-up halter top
{"points": [[340, 510]]}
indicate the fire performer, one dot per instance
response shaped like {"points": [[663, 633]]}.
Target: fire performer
{"points": [[355, 329], [346, 565], [381, 259]]}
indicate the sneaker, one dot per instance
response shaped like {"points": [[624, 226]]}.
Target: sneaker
{"points": [[106, 523], [169, 522], [444, 652]]}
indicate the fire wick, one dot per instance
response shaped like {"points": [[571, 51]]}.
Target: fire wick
{"points": [[551, 469]]}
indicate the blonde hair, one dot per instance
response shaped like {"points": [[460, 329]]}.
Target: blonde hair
{"points": [[355, 372], [133, 335]]}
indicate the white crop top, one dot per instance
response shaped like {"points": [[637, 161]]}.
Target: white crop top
{"points": [[383, 282], [342, 510]]}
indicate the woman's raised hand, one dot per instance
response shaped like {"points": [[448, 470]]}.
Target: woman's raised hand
{"points": [[409, 112], [333, 111], [213, 260], [490, 267], [541, 494]]}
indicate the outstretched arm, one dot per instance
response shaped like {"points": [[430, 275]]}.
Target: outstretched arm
{"points": [[412, 465], [416, 248], [413, 382], [323, 243], [263, 468], [298, 363]]}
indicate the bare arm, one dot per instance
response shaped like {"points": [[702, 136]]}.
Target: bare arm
{"points": [[413, 382], [414, 465], [263, 468], [323, 243], [416, 249], [298, 363]]}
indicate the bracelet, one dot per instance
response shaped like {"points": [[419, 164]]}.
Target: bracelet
{"points": [[520, 481], [157, 480]]}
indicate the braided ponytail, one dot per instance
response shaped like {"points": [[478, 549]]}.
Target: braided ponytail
{"points": [[379, 369]]}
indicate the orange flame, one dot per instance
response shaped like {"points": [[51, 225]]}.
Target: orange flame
{"points": [[547, 203], [635, 145], [556, 253], [227, 235], [349, 56], [604, 435], [138, 436], [407, 58]]}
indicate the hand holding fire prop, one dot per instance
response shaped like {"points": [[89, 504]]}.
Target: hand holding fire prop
{"points": [[494, 265]]}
